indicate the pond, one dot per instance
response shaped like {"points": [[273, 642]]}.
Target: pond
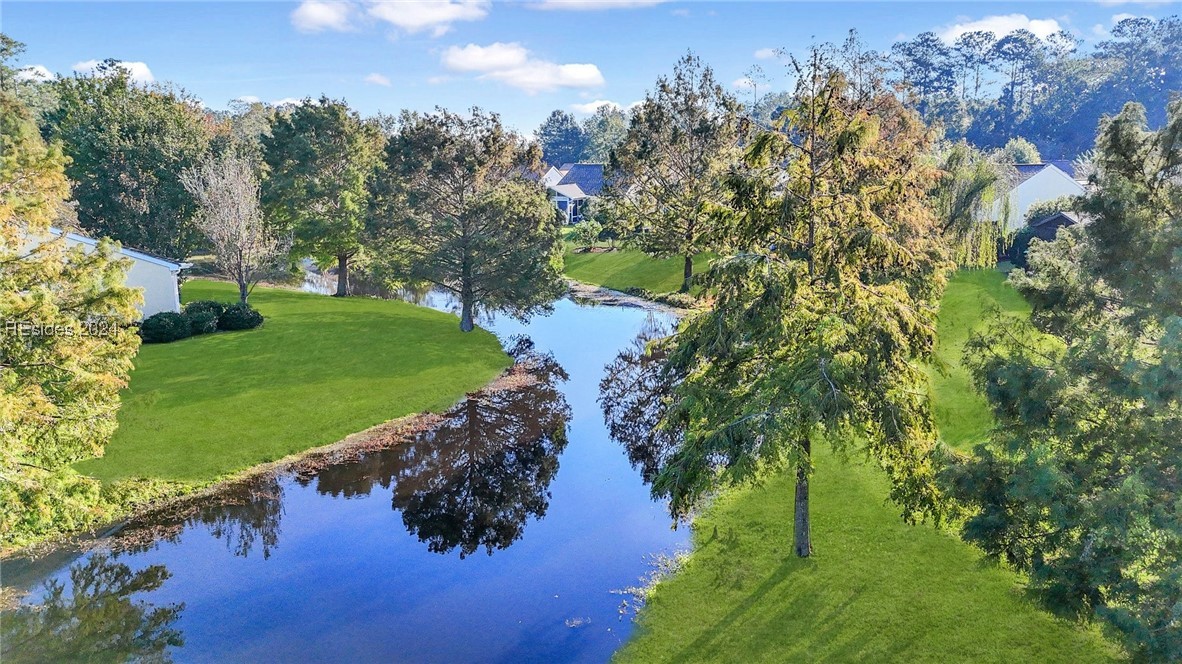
{"points": [[502, 536]]}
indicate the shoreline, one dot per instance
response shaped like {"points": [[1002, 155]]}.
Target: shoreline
{"points": [[184, 497], [601, 295]]}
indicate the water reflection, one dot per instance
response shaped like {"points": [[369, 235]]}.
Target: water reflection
{"points": [[475, 480], [244, 515], [634, 397], [95, 619]]}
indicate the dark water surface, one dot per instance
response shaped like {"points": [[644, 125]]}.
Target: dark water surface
{"points": [[497, 538]]}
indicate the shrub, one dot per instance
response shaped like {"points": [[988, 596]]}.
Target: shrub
{"points": [[164, 327], [239, 317], [202, 321], [205, 305]]}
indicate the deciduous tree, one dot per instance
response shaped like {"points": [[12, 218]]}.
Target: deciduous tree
{"points": [[128, 145], [321, 158], [228, 214]]}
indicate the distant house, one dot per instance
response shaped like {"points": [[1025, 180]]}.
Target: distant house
{"points": [[156, 277], [572, 186], [1047, 227], [1037, 183]]}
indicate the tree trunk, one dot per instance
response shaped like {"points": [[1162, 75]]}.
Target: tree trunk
{"points": [[243, 292], [466, 324], [802, 534], [687, 274], [342, 275]]}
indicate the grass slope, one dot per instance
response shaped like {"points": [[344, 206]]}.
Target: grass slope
{"points": [[960, 411], [877, 589], [319, 369], [627, 268]]}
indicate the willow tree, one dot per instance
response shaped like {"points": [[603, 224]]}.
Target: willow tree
{"points": [[971, 201], [824, 316], [459, 211], [667, 184], [67, 343]]}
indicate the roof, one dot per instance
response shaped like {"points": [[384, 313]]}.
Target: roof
{"points": [[1067, 219], [1027, 171], [570, 191], [588, 177], [126, 251]]}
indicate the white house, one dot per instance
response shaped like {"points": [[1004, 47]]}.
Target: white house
{"points": [[154, 276], [1037, 183]]}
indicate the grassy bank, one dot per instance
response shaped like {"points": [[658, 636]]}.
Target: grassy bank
{"points": [[876, 589], [629, 268], [319, 369], [961, 413]]}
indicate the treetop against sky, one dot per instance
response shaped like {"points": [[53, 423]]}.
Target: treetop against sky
{"points": [[520, 59]]}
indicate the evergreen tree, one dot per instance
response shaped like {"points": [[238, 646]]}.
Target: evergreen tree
{"points": [[667, 176], [822, 320], [1078, 484], [562, 139]]}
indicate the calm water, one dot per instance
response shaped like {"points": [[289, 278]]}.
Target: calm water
{"points": [[498, 538]]}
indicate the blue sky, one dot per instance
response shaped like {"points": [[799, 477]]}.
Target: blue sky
{"points": [[520, 59]]}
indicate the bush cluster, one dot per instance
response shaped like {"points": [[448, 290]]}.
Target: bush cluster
{"points": [[200, 317]]}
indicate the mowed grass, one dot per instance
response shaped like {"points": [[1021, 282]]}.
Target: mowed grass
{"points": [[876, 589], [319, 369], [971, 298], [629, 268]]}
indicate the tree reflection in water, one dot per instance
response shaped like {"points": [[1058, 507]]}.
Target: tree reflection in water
{"points": [[247, 515], [475, 480], [635, 397], [97, 621]]}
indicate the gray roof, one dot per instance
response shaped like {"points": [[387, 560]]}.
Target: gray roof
{"points": [[571, 191], [1027, 171], [589, 177], [1066, 217]]}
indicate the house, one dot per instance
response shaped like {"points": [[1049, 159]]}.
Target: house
{"points": [[1048, 227], [572, 186], [1036, 183], [156, 277]]}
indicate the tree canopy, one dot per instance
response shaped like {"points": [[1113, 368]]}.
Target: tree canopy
{"points": [[460, 213]]}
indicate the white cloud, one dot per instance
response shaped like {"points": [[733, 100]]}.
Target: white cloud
{"points": [[743, 83], [288, 101], [247, 99], [137, 71], [1000, 25], [436, 16], [512, 64], [592, 5], [592, 106], [37, 73], [318, 15], [766, 54], [377, 79], [495, 56]]}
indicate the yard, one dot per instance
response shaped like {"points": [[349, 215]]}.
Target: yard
{"points": [[319, 369], [876, 589], [629, 268]]}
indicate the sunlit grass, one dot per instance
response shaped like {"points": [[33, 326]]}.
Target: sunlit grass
{"points": [[319, 369]]}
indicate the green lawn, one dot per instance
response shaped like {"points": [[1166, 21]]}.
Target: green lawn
{"points": [[961, 413], [876, 590], [627, 268], [319, 369]]}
